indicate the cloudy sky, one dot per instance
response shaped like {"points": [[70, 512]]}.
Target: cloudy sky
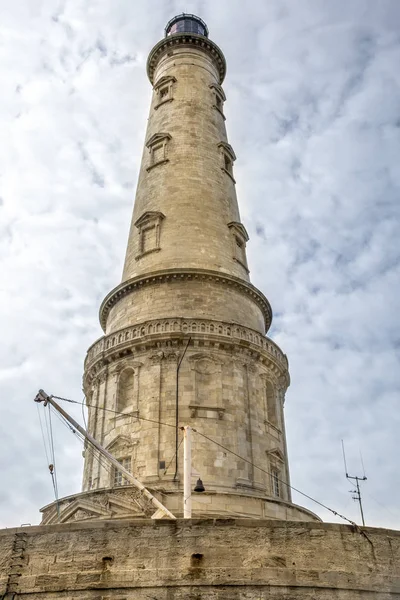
{"points": [[313, 113]]}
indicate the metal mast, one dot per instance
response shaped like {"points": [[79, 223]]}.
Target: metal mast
{"points": [[357, 492], [161, 509]]}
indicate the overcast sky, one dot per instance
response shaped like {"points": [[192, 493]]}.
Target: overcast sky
{"points": [[313, 113]]}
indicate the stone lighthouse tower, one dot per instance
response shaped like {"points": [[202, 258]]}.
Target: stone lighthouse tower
{"points": [[185, 331], [185, 345]]}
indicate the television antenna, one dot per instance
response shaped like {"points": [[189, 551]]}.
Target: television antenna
{"points": [[357, 492]]}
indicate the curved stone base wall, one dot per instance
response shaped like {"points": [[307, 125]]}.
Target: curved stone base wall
{"points": [[125, 503], [199, 560]]}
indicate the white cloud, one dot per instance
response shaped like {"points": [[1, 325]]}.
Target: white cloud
{"points": [[313, 93]]}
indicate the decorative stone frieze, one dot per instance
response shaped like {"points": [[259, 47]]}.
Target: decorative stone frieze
{"points": [[199, 327], [130, 341]]}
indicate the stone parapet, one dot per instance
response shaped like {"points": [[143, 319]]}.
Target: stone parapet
{"points": [[156, 329], [199, 559]]}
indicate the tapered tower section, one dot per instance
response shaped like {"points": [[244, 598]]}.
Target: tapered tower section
{"points": [[185, 332]]}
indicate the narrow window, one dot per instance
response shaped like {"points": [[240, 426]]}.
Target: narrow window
{"points": [[218, 98], [164, 93], [149, 230], [227, 158], [157, 146], [275, 483], [239, 239], [164, 90], [119, 479], [270, 404], [228, 164], [157, 154], [149, 239], [125, 392]]}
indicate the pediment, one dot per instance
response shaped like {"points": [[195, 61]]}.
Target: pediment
{"points": [[148, 217], [277, 454], [111, 505], [203, 356], [228, 149], [218, 89], [80, 510], [118, 442], [121, 504], [164, 80], [205, 363], [157, 137], [240, 229]]}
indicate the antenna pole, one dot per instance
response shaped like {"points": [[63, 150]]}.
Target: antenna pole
{"points": [[344, 458], [161, 509], [358, 497], [357, 491]]}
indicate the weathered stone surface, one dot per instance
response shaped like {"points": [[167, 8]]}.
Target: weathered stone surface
{"points": [[218, 560]]}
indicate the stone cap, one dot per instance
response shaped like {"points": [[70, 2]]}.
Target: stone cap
{"points": [[184, 40]]}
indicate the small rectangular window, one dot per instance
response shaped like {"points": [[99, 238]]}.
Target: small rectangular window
{"points": [[275, 483], [240, 253], [157, 153], [119, 479], [228, 164], [164, 93], [149, 239]]}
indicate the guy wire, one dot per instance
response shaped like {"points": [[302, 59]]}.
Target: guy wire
{"points": [[334, 512]]}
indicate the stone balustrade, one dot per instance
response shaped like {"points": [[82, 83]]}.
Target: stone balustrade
{"points": [[197, 327]]}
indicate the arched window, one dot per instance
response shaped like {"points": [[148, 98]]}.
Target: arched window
{"points": [[126, 385]]}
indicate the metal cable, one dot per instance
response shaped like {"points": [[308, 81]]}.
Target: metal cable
{"points": [[334, 512], [280, 480], [43, 436], [53, 471], [170, 462]]}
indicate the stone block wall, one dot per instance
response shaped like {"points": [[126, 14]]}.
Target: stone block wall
{"points": [[225, 391], [199, 559]]}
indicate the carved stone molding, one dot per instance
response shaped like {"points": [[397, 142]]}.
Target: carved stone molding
{"points": [[173, 275], [176, 326], [188, 40], [165, 337], [204, 411], [97, 505]]}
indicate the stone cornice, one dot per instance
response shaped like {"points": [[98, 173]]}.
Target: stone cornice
{"points": [[185, 40], [173, 275]]}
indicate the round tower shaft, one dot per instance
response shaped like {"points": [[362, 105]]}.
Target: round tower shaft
{"points": [[184, 339]]}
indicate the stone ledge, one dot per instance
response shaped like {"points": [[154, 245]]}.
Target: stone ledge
{"points": [[114, 524], [119, 503], [171, 275]]}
